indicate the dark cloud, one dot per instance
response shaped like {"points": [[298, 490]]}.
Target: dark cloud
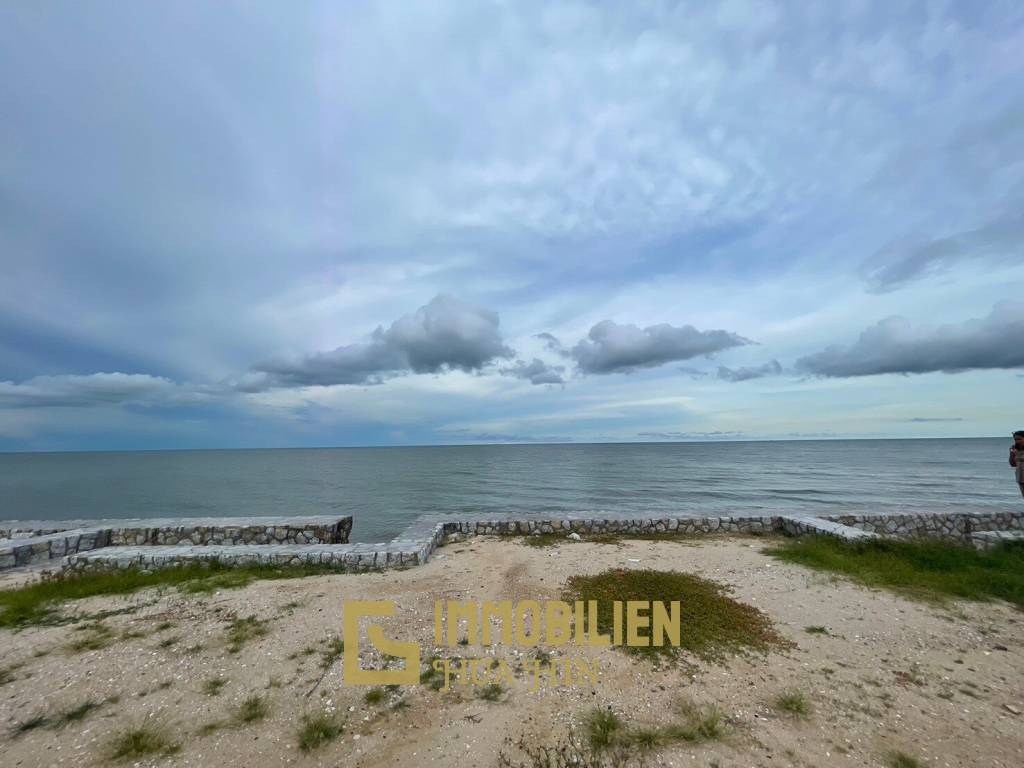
{"points": [[614, 348], [755, 372], [97, 389], [445, 334], [901, 263], [895, 346], [536, 371]]}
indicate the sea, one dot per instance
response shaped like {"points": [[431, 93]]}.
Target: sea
{"points": [[386, 488]]}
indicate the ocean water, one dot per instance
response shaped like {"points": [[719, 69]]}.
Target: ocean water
{"points": [[385, 488]]}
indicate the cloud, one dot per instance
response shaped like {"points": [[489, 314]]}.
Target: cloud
{"points": [[898, 264], [97, 389], [614, 348], [894, 345], [505, 437], [536, 371], [445, 334], [929, 419], [744, 374], [552, 344], [691, 435]]}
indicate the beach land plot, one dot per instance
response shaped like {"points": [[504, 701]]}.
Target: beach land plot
{"points": [[248, 671]]}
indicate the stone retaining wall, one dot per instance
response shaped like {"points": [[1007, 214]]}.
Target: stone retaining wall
{"points": [[30, 550], [156, 544], [947, 526]]}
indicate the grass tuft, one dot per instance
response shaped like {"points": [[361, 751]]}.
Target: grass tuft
{"points": [[333, 652], [75, 714], [793, 703], [241, 631], [713, 624], [898, 759], [491, 692], [374, 696], [318, 730], [252, 710], [34, 722], [924, 570], [603, 728], [213, 686], [95, 636], [140, 742]]}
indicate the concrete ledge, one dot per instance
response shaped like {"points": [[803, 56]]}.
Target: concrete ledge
{"points": [[802, 525]]}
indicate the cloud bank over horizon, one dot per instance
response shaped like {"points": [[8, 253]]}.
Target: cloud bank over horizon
{"points": [[355, 225]]}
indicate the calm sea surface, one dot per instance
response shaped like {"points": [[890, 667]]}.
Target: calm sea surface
{"points": [[385, 488]]}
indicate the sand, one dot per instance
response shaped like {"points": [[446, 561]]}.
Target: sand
{"points": [[940, 683]]}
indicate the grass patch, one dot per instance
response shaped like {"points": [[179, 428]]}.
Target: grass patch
{"points": [[94, 637], [241, 631], [140, 742], [713, 624], [214, 685], [434, 678], [491, 692], [318, 730], [37, 603], [897, 759], [603, 728], [252, 710], [211, 728], [75, 714], [923, 570], [374, 696], [607, 741], [335, 648], [34, 722], [168, 642], [793, 703], [816, 630]]}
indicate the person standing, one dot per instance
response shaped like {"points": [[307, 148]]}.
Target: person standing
{"points": [[1017, 457]]}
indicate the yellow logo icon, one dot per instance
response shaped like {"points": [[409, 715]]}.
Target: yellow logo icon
{"points": [[353, 674]]}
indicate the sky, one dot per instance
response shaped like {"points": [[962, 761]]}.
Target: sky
{"points": [[265, 224]]}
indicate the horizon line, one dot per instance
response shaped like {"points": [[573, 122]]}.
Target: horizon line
{"points": [[494, 443]]}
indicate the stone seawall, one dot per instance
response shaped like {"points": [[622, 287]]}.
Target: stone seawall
{"points": [[955, 526], [323, 541], [27, 547]]}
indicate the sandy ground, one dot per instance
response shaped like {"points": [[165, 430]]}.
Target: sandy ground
{"points": [[891, 674]]}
